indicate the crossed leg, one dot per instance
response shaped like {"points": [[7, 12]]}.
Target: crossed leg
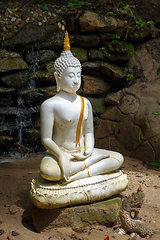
{"points": [[112, 162], [101, 161]]}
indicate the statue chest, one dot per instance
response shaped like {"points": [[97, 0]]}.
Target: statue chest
{"points": [[68, 117]]}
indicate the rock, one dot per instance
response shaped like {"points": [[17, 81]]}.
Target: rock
{"points": [[19, 148], [31, 34], [113, 98], [128, 134], [95, 54], [80, 53], [7, 96], [36, 95], [86, 41], [104, 128], [14, 233], [78, 218], [144, 151], [143, 60], [55, 41], [105, 37], [31, 135], [16, 80], [113, 113], [133, 34], [154, 142], [42, 78], [49, 66], [70, 23], [103, 143], [117, 51], [135, 129], [11, 61], [92, 22], [121, 23], [40, 56], [98, 105], [1, 231], [95, 85], [5, 140], [129, 104], [107, 69]]}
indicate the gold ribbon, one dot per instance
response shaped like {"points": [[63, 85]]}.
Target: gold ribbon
{"points": [[78, 131]]}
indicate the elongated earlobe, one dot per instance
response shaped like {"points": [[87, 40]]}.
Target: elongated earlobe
{"points": [[57, 81]]}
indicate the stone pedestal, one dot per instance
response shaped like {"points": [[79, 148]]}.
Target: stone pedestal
{"points": [[50, 195], [78, 217]]}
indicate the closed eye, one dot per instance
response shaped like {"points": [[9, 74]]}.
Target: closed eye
{"points": [[71, 74], [79, 74]]}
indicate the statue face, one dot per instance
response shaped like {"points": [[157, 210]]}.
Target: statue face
{"points": [[70, 80]]}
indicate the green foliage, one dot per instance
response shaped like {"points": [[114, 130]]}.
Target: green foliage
{"points": [[111, 13], [115, 37], [157, 186], [129, 77], [129, 11], [140, 24], [119, 10], [102, 48], [77, 4], [151, 22], [136, 35], [154, 164], [156, 112], [130, 48]]}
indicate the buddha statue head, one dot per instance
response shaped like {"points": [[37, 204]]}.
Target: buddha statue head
{"points": [[66, 60]]}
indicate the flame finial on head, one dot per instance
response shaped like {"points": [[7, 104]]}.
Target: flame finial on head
{"points": [[66, 44]]}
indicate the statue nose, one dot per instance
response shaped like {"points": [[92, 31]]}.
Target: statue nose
{"points": [[75, 80]]}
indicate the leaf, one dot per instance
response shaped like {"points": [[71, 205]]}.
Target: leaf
{"points": [[102, 48], [156, 112], [154, 164], [151, 22], [157, 186], [70, 4], [111, 13], [81, 3]]}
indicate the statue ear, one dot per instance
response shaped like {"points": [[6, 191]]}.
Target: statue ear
{"points": [[57, 81]]}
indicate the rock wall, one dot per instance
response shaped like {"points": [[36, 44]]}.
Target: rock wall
{"points": [[112, 56]]}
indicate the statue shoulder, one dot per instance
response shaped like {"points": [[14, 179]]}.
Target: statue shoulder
{"points": [[87, 102], [49, 103]]}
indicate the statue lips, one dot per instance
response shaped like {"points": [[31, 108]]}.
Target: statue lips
{"points": [[75, 86]]}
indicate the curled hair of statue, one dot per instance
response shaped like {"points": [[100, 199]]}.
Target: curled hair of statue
{"points": [[66, 59]]}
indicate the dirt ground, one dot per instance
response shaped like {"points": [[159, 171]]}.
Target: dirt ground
{"points": [[16, 206]]}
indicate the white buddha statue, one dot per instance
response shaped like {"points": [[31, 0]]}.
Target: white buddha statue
{"points": [[67, 129], [72, 170]]}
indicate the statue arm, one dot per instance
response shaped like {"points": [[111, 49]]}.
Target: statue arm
{"points": [[47, 122], [88, 131]]}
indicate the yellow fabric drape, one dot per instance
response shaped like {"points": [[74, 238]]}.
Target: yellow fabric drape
{"points": [[78, 131]]}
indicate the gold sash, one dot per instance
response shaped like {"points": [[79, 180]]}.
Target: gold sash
{"points": [[78, 131]]}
